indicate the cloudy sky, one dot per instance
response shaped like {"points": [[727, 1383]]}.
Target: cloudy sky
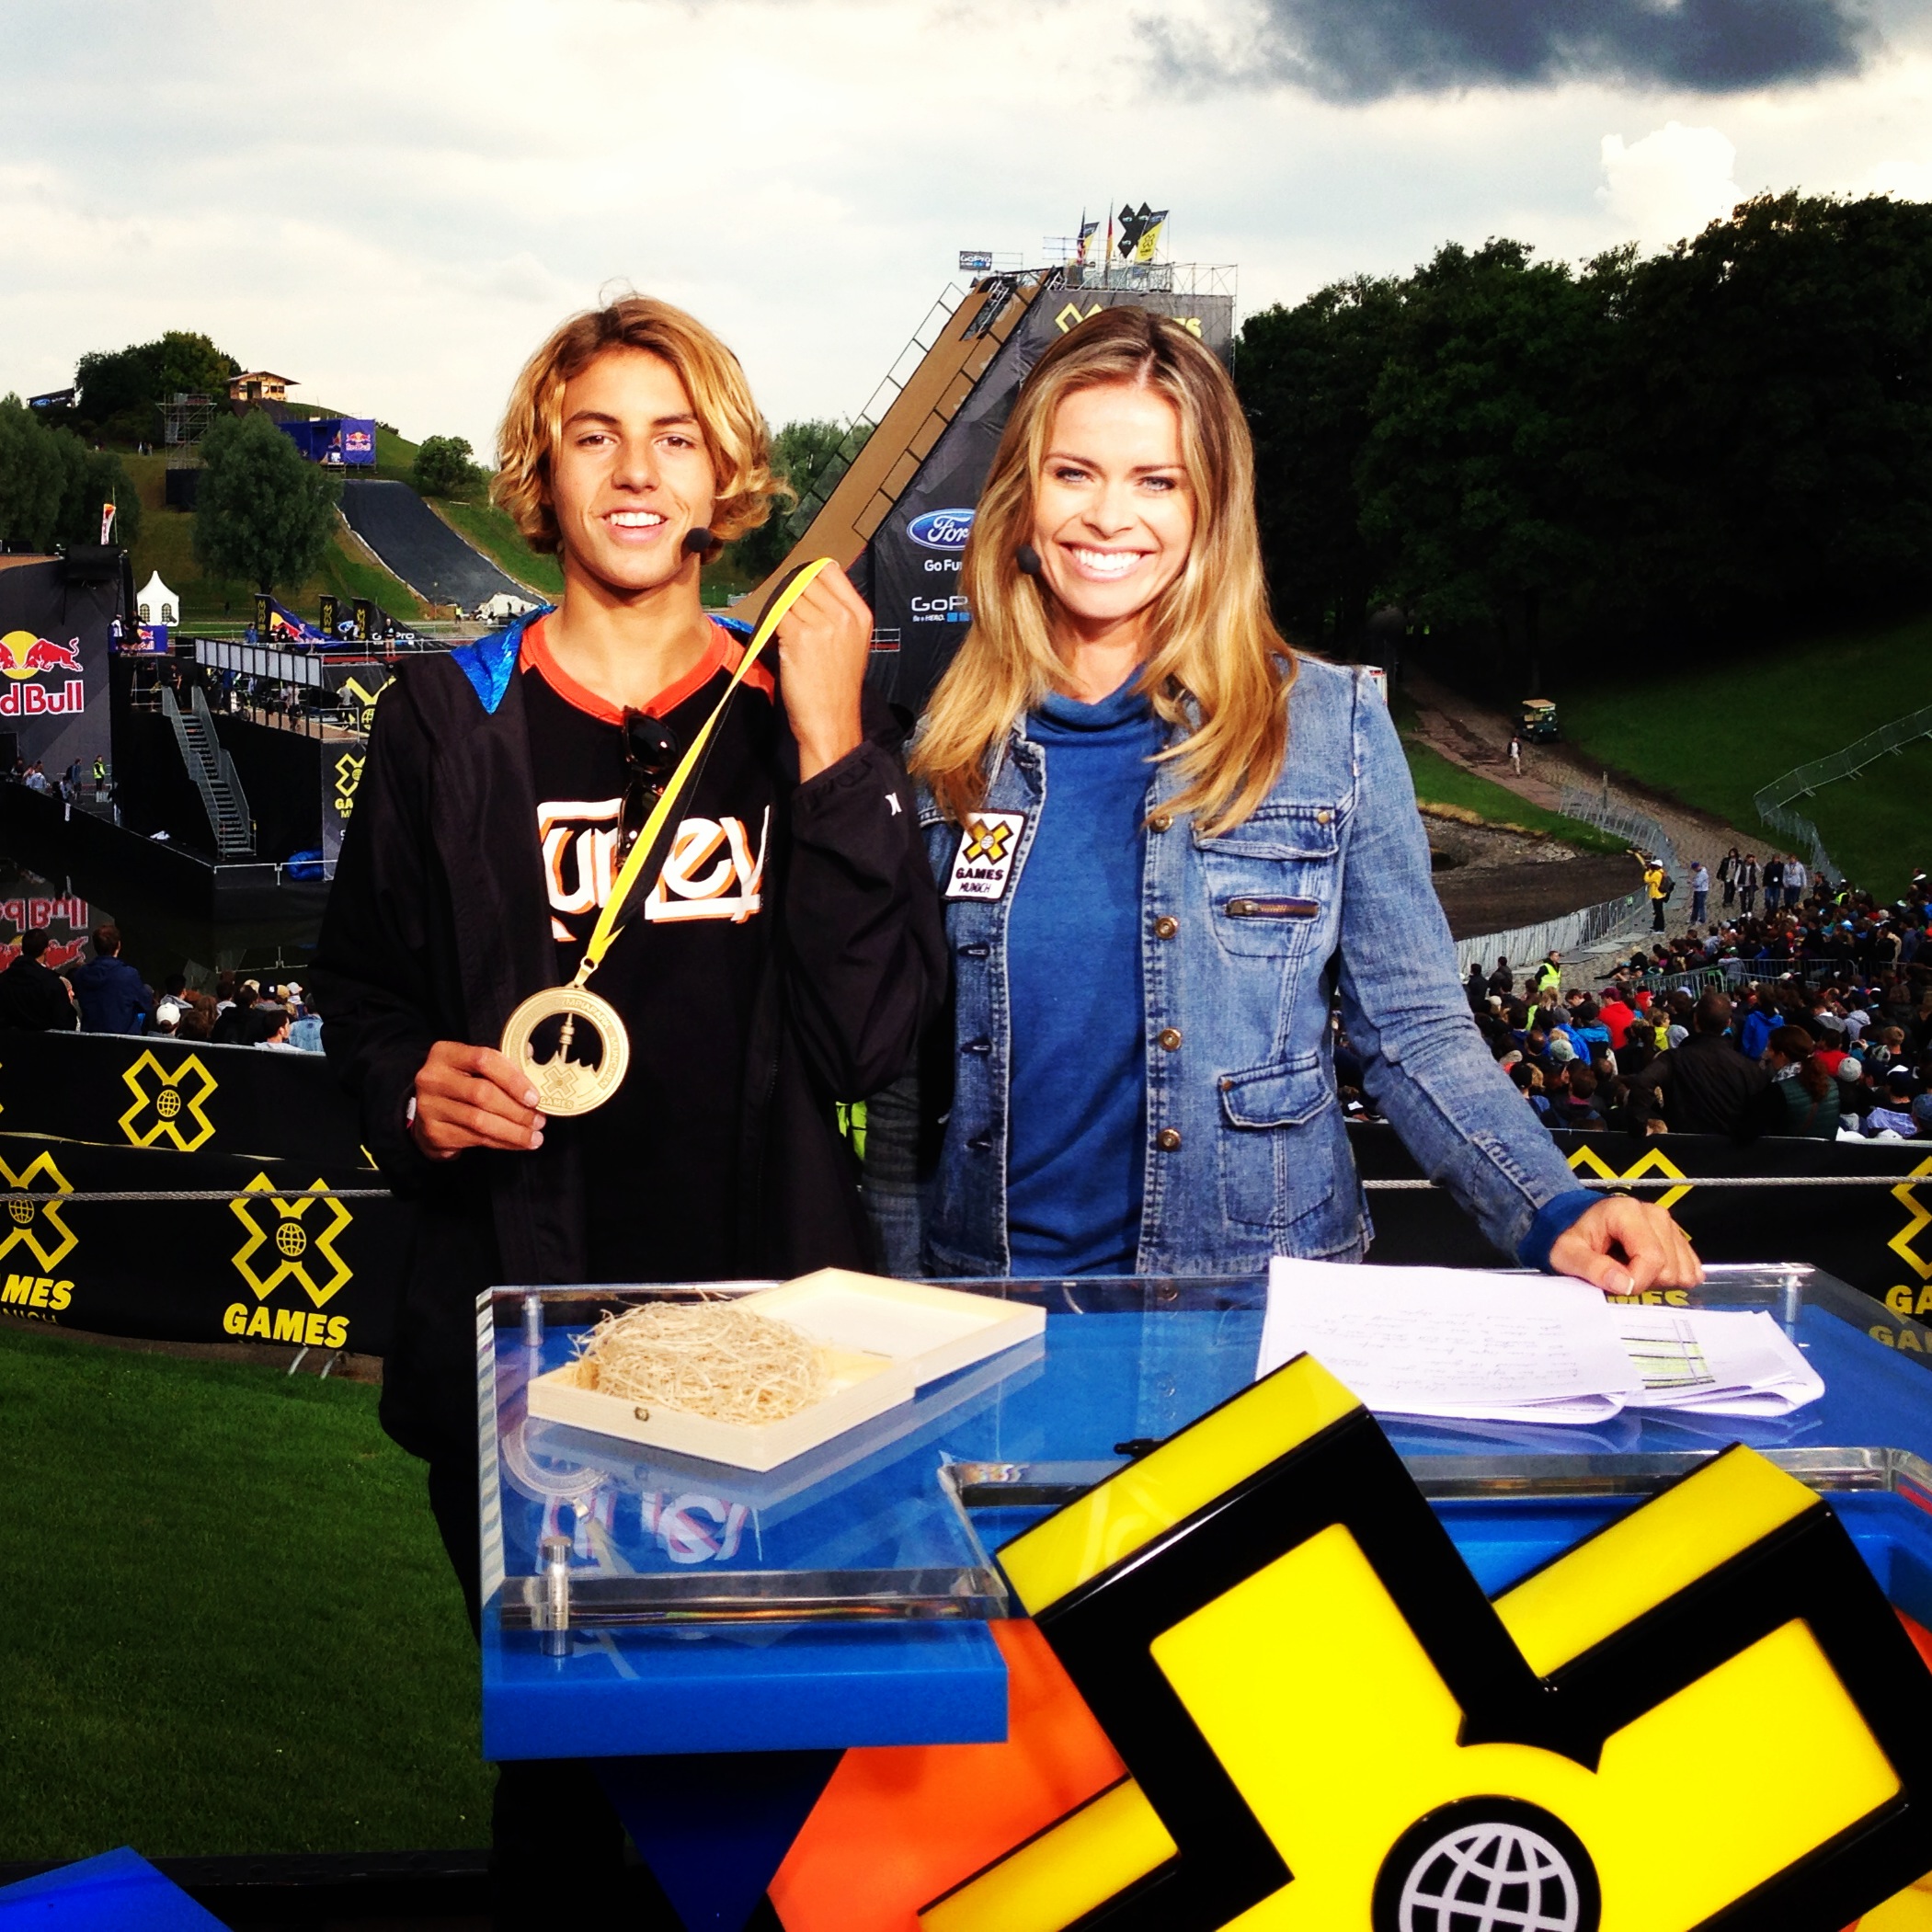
{"points": [[394, 199]]}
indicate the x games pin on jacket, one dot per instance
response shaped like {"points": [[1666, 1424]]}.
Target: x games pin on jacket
{"points": [[438, 925]]}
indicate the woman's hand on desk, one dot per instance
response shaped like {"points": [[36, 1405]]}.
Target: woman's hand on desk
{"points": [[1624, 1247]]}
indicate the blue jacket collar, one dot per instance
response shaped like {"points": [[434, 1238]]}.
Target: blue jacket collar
{"points": [[488, 662]]}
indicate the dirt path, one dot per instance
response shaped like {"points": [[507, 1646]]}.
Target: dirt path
{"points": [[1472, 735]]}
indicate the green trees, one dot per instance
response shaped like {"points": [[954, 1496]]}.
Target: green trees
{"points": [[444, 467], [121, 391], [1708, 444], [52, 486], [803, 457], [261, 512], [1471, 477]]}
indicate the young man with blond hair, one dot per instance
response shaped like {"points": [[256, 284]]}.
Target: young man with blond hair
{"points": [[779, 954]]}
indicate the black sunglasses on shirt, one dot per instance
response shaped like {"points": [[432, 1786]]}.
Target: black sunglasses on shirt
{"points": [[651, 752]]}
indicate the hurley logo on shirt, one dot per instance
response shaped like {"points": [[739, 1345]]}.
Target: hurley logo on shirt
{"points": [[710, 872], [988, 847]]}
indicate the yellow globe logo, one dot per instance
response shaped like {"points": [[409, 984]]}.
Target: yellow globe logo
{"points": [[21, 1209], [289, 1240], [168, 1103]]}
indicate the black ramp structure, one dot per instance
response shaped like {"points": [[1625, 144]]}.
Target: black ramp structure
{"points": [[902, 500], [420, 548]]}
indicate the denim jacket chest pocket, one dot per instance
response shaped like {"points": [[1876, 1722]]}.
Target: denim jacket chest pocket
{"points": [[1271, 883]]}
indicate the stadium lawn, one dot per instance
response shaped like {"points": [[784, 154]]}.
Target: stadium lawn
{"points": [[1714, 734], [167, 545], [232, 1629], [1437, 782]]}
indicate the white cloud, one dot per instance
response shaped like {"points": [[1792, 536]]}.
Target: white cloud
{"points": [[1670, 183], [394, 199]]}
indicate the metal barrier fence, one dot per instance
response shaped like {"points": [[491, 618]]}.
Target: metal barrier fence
{"points": [[1634, 827], [1799, 829], [1773, 801], [1803, 780], [1522, 945]]}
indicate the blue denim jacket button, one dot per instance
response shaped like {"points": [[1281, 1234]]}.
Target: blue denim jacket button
{"points": [[977, 1047]]}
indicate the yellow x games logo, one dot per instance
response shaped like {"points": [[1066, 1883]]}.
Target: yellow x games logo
{"points": [[30, 1212], [1704, 1714], [352, 691], [988, 844], [169, 1102], [297, 1243], [1906, 1195], [1653, 1163], [348, 775]]}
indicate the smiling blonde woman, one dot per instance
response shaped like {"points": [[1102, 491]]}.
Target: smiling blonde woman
{"points": [[1166, 842]]}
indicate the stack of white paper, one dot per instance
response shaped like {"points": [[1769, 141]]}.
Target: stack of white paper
{"points": [[1454, 1343]]}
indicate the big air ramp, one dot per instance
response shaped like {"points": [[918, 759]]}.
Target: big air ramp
{"points": [[416, 545], [899, 515]]}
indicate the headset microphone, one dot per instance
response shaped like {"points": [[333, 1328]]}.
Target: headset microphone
{"points": [[1028, 559], [699, 541]]}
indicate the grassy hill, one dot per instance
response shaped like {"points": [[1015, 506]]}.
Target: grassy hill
{"points": [[167, 545], [485, 528], [1713, 735]]}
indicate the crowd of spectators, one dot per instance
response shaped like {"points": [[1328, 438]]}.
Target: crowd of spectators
{"points": [[1812, 1017], [106, 994]]}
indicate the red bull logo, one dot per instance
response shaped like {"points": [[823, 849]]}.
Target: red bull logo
{"points": [[24, 656]]}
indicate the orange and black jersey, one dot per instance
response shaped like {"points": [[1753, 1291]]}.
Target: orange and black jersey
{"points": [[749, 1023], [661, 1157]]}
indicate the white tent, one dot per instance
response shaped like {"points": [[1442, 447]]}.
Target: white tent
{"points": [[156, 603], [504, 605]]}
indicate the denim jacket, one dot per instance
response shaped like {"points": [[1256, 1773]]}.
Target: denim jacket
{"points": [[1244, 937]]}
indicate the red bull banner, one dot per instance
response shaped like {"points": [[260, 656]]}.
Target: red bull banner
{"points": [[28, 693], [53, 667]]}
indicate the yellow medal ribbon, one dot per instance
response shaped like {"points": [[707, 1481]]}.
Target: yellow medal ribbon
{"points": [[609, 923], [565, 1084]]}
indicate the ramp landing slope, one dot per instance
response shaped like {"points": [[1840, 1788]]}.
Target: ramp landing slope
{"points": [[419, 547]]}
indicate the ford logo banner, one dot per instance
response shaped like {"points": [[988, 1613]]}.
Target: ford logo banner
{"points": [[942, 529]]}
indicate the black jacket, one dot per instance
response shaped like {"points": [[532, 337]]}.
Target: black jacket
{"points": [[437, 926], [34, 997], [1707, 1087]]}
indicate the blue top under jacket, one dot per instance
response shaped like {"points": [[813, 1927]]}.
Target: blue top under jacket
{"points": [[1077, 1155]]}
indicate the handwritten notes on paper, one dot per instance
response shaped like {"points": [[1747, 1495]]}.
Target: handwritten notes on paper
{"points": [[1454, 1343]]}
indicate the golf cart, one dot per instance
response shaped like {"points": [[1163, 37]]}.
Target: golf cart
{"points": [[1535, 721]]}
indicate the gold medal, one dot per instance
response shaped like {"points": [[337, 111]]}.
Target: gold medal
{"points": [[568, 1078], [567, 1081]]}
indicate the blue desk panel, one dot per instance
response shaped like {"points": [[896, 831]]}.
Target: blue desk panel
{"points": [[1107, 1378], [763, 1687]]}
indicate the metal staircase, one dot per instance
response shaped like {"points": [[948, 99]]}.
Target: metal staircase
{"points": [[213, 773]]}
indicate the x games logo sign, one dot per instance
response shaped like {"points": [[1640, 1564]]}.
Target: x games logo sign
{"points": [[301, 1250], [33, 1221], [169, 1102], [348, 775]]}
